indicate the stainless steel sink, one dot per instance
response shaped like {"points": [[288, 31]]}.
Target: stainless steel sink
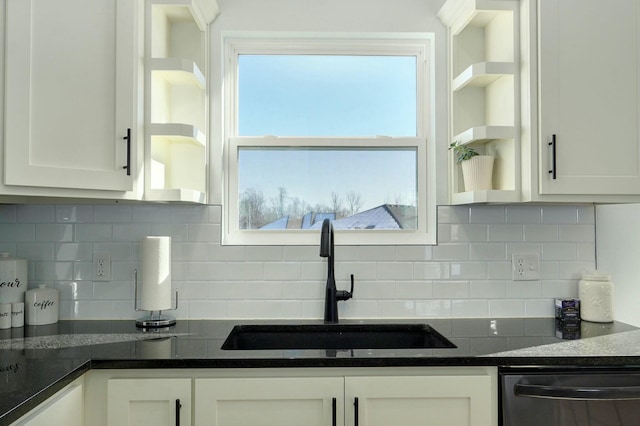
{"points": [[334, 336]]}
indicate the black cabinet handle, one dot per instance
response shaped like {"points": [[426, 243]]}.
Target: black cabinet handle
{"points": [[178, 407], [355, 411], [334, 417], [554, 168], [128, 139]]}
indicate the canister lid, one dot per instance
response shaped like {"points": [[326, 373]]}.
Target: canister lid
{"points": [[595, 276]]}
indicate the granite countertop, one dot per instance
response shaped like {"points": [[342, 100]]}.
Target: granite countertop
{"points": [[37, 361]]}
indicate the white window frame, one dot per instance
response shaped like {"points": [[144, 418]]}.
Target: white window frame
{"points": [[419, 45]]}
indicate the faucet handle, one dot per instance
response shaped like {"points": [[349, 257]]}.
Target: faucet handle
{"points": [[343, 294]]}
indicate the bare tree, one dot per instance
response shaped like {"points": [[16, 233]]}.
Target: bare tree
{"points": [[252, 209], [354, 202], [336, 203]]}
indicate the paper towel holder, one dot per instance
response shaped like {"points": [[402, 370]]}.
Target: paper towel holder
{"points": [[155, 319]]}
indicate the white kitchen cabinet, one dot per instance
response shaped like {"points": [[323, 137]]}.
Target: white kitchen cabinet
{"points": [[291, 401], [176, 99], [553, 100], [589, 96], [449, 396], [71, 96], [65, 408], [420, 400], [155, 401], [485, 92], [298, 396]]}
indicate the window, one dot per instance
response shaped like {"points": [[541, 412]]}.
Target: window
{"points": [[327, 128]]}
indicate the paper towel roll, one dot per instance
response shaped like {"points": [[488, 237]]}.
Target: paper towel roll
{"points": [[155, 291]]}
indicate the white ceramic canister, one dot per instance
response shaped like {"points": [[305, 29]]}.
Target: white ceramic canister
{"points": [[41, 305], [595, 291], [5, 315], [13, 279]]}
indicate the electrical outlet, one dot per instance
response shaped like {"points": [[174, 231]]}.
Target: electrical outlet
{"points": [[526, 267], [102, 266]]}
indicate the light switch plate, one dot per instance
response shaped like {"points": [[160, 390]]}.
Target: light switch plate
{"points": [[525, 267]]}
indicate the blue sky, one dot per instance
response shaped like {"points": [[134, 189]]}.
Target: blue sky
{"points": [[311, 95]]}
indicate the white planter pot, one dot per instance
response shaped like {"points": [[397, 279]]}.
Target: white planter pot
{"points": [[477, 173]]}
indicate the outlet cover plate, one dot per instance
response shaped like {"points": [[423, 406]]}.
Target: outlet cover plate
{"points": [[102, 266], [525, 267]]}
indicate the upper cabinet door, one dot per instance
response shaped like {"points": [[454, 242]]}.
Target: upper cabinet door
{"points": [[589, 53], [71, 83]]}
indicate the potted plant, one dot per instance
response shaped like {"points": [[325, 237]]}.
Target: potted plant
{"points": [[477, 170]]}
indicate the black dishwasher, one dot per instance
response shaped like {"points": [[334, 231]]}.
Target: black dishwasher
{"points": [[539, 396]]}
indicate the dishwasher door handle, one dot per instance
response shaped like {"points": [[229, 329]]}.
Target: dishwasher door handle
{"points": [[581, 392]]}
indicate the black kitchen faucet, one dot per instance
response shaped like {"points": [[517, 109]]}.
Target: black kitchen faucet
{"points": [[332, 294]]}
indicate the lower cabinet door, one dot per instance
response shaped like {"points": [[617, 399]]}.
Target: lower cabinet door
{"points": [[270, 401], [424, 401], [63, 409], [156, 402]]}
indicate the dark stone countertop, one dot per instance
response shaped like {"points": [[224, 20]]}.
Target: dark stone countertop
{"points": [[37, 361]]}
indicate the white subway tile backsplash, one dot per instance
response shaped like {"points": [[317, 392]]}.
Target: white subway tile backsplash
{"points": [[414, 253], [468, 274], [487, 214], [8, 213], [113, 213], [524, 290], [490, 289], [430, 270], [506, 233], [470, 308], [413, 289], [523, 214], [456, 251], [73, 252], [469, 270], [488, 251], [576, 233], [506, 308], [203, 232], [541, 233], [33, 213], [453, 214], [16, 233], [394, 271], [151, 214], [559, 251], [74, 214], [35, 251], [451, 290], [559, 214], [468, 232]]}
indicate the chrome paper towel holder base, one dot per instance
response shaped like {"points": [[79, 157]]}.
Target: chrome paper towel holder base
{"points": [[154, 319]]}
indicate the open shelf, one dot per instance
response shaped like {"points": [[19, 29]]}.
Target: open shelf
{"points": [[178, 133], [178, 71], [482, 74], [177, 195], [485, 196], [485, 93], [176, 114], [482, 134]]}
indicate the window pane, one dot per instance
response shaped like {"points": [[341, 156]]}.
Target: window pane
{"points": [[326, 95], [358, 188]]}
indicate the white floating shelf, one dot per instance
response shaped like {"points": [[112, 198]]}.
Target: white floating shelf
{"points": [[485, 196], [482, 74], [484, 134], [178, 132], [176, 195], [178, 71], [202, 12], [473, 13]]}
